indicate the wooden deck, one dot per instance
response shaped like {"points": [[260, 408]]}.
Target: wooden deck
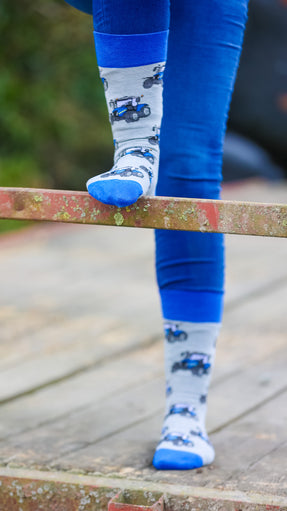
{"points": [[81, 380]]}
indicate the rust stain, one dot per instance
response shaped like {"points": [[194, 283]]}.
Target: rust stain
{"points": [[212, 214], [19, 201], [128, 500], [150, 212]]}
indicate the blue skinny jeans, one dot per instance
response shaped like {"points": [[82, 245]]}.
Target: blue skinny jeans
{"points": [[205, 41]]}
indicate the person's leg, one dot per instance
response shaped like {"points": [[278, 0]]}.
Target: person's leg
{"points": [[131, 43], [204, 48]]}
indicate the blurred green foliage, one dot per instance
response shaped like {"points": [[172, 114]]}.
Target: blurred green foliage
{"points": [[54, 131]]}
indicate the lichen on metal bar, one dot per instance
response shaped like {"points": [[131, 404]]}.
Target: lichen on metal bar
{"points": [[187, 214]]}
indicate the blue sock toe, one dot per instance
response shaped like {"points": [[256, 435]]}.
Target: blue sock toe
{"points": [[167, 459], [116, 192]]}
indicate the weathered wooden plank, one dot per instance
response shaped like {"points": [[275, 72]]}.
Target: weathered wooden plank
{"points": [[57, 350], [232, 354], [77, 391], [85, 427], [68, 355], [83, 306], [229, 399], [83, 390], [245, 444], [251, 452], [96, 286], [234, 397], [269, 470], [32, 360], [150, 212], [254, 266]]}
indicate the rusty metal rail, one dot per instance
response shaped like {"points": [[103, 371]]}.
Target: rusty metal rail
{"points": [[230, 217], [35, 490]]}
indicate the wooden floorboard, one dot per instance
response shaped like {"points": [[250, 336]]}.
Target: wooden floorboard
{"points": [[81, 357], [92, 386], [238, 396]]}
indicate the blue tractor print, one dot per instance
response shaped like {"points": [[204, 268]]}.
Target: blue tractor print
{"points": [[141, 152], [168, 390], [164, 430], [154, 139], [184, 410], [127, 172], [200, 435], [173, 333], [203, 398], [128, 109], [157, 78], [105, 83], [197, 363], [177, 439]]}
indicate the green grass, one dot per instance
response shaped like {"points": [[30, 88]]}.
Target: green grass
{"points": [[13, 225]]}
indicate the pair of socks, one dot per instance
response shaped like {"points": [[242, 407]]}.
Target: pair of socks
{"points": [[134, 102]]}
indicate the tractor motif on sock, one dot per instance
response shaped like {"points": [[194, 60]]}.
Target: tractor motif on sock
{"points": [[184, 410], [128, 172], [156, 79], [198, 363], [129, 109], [177, 439], [200, 435], [173, 333], [168, 389], [141, 152], [105, 83], [203, 398], [154, 139]]}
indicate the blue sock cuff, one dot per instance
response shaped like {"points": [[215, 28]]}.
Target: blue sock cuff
{"points": [[130, 50], [193, 306]]}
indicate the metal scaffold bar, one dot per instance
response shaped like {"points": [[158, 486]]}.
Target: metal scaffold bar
{"points": [[230, 217]]}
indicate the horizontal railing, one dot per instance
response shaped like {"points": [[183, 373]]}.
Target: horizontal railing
{"points": [[230, 217]]}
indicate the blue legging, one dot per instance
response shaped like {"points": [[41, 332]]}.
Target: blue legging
{"points": [[204, 47]]}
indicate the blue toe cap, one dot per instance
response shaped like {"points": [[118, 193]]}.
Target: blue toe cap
{"points": [[116, 192], [167, 459]]}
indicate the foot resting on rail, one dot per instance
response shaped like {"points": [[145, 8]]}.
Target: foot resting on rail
{"points": [[133, 175], [134, 100]]}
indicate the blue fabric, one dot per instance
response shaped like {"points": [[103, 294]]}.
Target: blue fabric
{"points": [[195, 306], [126, 16], [190, 265], [131, 16], [130, 50], [167, 459], [205, 41], [107, 191]]}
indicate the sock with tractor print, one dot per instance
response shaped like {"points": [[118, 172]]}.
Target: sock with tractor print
{"points": [[131, 69], [189, 357]]}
